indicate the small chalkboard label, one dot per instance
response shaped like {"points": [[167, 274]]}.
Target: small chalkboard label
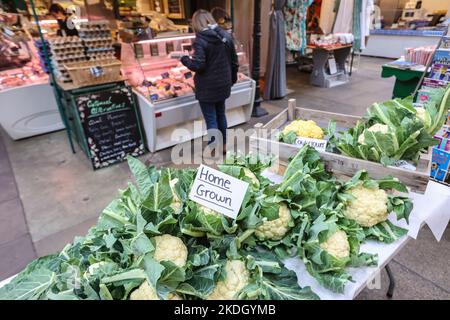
{"points": [[110, 123], [218, 191]]}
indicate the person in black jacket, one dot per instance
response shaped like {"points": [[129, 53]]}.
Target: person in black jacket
{"points": [[215, 64]]}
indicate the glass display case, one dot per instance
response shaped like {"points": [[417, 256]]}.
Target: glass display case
{"points": [[19, 62], [165, 89], [27, 102]]}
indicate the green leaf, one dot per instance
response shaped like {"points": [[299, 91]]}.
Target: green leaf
{"points": [[142, 245], [144, 177], [104, 293], [282, 286], [63, 295], [153, 270], [134, 274], [30, 287], [385, 232]]}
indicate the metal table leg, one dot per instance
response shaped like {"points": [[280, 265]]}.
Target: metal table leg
{"points": [[351, 62], [391, 287]]}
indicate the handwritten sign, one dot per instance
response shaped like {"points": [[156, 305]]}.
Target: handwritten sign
{"points": [[218, 191], [110, 125], [318, 144]]}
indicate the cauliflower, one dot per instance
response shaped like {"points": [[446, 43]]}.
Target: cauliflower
{"points": [[170, 248], [306, 129], [378, 127], [337, 245], [209, 211], [176, 204], [424, 116], [147, 292], [277, 228], [369, 208], [249, 174], [236, 278]]}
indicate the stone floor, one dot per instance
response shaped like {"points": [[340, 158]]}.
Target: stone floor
{"points": [[48, 195]]}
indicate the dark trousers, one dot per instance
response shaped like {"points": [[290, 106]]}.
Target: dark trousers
{"points": [[215, 118]]}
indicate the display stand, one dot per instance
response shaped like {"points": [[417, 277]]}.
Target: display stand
{"points": [[160, 119], [321, 75]]}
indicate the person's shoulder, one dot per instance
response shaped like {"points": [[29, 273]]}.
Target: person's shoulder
{"points": [[200, 40], [224, 34]]}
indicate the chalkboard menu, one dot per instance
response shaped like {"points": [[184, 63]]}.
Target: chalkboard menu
{"points": [[110, 124]]}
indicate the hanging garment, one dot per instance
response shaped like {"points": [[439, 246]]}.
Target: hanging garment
{"points": [[295, 24], [356, 24], [366, 14], [344, 17], [275, 78]]}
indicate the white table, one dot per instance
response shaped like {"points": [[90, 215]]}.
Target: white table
{"points": [[363, 276]]}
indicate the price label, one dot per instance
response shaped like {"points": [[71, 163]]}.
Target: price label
{"points": [[405, 165], [332, 65], [318, 144], [218, 191]]}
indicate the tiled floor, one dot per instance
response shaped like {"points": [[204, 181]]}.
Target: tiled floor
{"points": [[16, 246], [60, 197]]}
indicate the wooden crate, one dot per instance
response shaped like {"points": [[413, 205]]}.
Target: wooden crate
{"points": [[263, 141]]}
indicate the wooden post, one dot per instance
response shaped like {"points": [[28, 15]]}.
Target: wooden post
{"points": [[292, 103]]}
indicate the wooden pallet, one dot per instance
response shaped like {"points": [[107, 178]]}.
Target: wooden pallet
{"points": [[263, 141]]}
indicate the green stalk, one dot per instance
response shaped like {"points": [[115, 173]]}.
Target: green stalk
{"points": [[442, 110]]}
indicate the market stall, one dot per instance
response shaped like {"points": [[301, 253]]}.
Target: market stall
{"points": [[165, 91]]}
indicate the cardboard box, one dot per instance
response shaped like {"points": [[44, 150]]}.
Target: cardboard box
{"points": [[440, 165]]}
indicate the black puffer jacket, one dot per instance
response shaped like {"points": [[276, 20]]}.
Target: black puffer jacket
{"points": [[215, 64]]}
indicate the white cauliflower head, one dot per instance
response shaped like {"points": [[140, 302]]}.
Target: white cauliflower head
{"points": [[277, 228], [369, 206], [147, 292], [337, 245], [209, 211], [144, 292], [249, 174], [236, 279], [378, 127], [170, 248]]}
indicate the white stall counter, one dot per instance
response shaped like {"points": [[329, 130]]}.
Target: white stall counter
{"points": [[386, 43], [29, 110]]}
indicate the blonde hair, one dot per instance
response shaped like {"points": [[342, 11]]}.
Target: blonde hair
{"points": [[201, 20]]}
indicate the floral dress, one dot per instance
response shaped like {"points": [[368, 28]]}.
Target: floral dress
{"points": [[295, 20]]}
